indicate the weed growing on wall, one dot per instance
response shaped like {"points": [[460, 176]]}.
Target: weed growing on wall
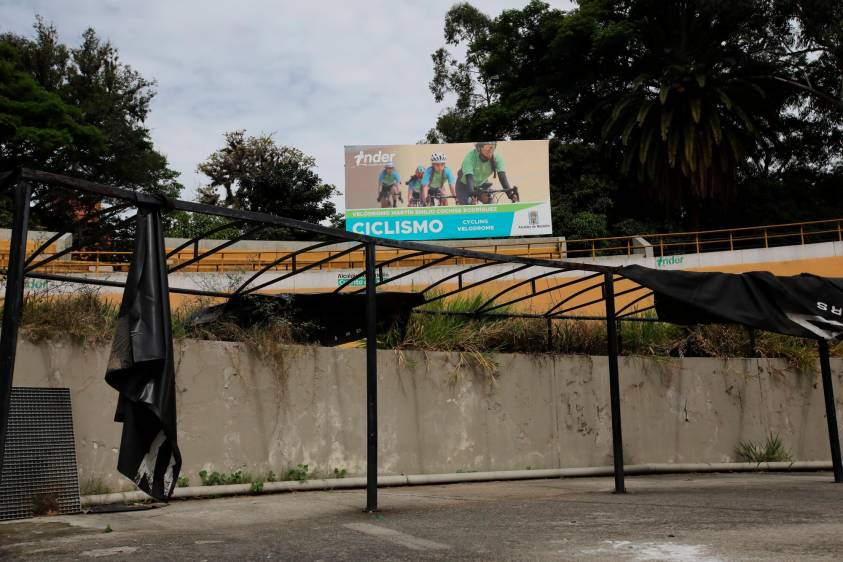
{"points": [[772, 450], [93, 485], [222, 479], [87, 318], [84, 317], [301, 473]]}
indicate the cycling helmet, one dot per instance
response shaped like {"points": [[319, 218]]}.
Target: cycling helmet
{"points": [[438, 158], [388, 164], [420, 169], [479, 145]]}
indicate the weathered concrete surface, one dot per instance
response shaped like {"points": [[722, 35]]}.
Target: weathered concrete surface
{"points": [[686, 518], [307, 405]]}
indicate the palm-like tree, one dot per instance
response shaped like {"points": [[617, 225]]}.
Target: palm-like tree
{"points": [[695, 108]]}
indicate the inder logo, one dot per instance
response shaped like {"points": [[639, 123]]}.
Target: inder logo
{"points": [[378, 158]]}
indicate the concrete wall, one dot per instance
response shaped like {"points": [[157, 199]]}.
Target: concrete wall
{"points": [[237, 411]]}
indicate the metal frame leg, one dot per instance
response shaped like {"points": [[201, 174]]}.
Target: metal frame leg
{"points": [[614, 384], [13, 304], [371, 382], [830, 411]]}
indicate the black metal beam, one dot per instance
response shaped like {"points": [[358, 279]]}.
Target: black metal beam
{"points": [[81, 243], [413, 271], [577, 307], [305, 268], [118, 284], [159, 201], [477, 283], [371, 383], [634, 301], [390, 261], [195, 239], [629, 315], [459, 273], [86, 219], [830, 411], [13, 304], [549, 311], [535, 293], [216, 249], [614, 383], [501, 293], [282, 259]]}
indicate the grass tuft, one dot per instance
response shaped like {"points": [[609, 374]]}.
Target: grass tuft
{"points": [[84, 317], [772, 450], [93, 485], [87, 318]]}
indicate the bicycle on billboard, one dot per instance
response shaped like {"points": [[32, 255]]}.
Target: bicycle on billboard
{"points": [[437, 185], [389, 187], [474, 179], [414, 185]]}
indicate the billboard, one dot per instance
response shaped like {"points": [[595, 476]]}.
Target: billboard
{"points": [[448, 191]]}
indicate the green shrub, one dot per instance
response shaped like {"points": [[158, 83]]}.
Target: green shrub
{"points": [[221, 478], [301, 473], [772, 450]]}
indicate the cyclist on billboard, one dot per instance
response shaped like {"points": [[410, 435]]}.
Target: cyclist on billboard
{"points": [[480, 164], [414, 188], [389, 190], [435, 178]]}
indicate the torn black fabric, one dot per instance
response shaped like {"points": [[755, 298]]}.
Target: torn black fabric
{"points": [[803, 305], [326, 318], [141, 367]]}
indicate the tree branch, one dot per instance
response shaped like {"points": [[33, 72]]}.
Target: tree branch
{"points": [[808, 88]]}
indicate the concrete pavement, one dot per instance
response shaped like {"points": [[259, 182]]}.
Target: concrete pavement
{"points": [[778, 516]]}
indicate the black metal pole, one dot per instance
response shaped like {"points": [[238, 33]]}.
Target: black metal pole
{"points": [[830, 411], [614, 384], [620, 336], [371, 382], [13, 304]]}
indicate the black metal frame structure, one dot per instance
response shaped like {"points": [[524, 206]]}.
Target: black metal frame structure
{"points": [[595, 278]]}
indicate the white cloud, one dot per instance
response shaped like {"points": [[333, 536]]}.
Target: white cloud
{"points": [[319, 75]]}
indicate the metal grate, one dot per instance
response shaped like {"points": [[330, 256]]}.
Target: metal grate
{"points": [[39, 465]]}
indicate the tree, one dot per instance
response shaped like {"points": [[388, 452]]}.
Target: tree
{"points": [[36, 126], [38, 129], [107, 97], [255, 174], [688, 101], [695, 102], [812, 46]]}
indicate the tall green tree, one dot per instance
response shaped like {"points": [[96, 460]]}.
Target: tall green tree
{"points": [[688, 101], [255, 174], [36, 126], [695, 103], [105, 95]]}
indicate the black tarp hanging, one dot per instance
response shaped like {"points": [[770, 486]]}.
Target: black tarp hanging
{"points": [[141, 367], [326, 318], [803, 305]]}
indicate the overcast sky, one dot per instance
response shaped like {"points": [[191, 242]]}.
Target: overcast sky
{"points": [[318, 75]]}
